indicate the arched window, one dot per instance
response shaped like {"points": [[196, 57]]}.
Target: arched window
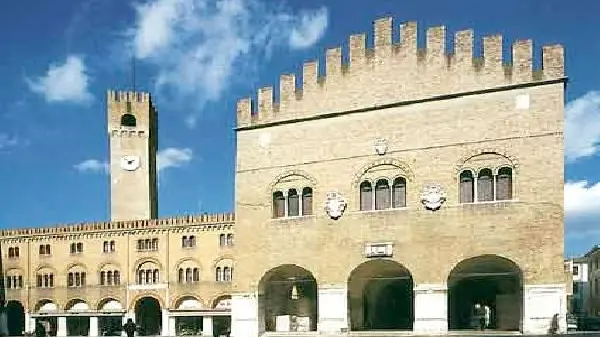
{"points": [[399, 193], [485, 185], [222, 240], [196, 275], [227, 274], [293, 202], [112, 246], [504, 184], [382, 194], [188, 275], [278, 204], [307, 201], [366, 196], [467, 187], [219, 274], [230, 239], [180, 278], [128, 120]]}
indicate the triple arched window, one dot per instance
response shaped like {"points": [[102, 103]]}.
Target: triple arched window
{"points": [[382, 194], [110, 278], [293, 202], [188, 275], [486, 185]]}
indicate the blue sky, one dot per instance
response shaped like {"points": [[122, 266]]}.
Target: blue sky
{"points": [[198, 57]]}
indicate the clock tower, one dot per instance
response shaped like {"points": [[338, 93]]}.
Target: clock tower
{"points": [[132, 129]]}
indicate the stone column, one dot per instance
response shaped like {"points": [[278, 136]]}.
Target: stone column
{"points": [[165, 323], [29, 322], [61, 329], [244, 315], [172, 326], [207, 326], [431, 309], [333, 309], [541, 303], [94, 327]]}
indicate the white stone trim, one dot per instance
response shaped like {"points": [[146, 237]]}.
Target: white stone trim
{"points": [[540, 303], [431, 309], [244, 315], [333, 309]]}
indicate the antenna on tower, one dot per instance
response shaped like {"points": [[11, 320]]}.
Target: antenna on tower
{"points": [[133, 72]]}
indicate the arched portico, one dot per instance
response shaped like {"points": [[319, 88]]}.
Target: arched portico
{"points": [[148, 316], [15, 312], [380, 296], [485, 290], [288, 299]]}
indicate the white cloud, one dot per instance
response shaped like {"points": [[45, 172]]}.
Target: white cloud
{"points": [[582, 198], [199, 47], [172, 157], [582, 212], [582, 126], [167, 158], [92, 165], [310, 30], [66, 82]]}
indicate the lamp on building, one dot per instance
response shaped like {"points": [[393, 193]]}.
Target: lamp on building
{"points": [[294, 293]]}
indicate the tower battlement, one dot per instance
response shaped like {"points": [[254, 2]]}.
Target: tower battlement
{"points": [[128, 96], [393, 72]]}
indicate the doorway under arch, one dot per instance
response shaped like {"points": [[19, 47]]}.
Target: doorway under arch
{"points": [[148, 316], [485, 291], [15, 312], [288, 299], [380, 296]]}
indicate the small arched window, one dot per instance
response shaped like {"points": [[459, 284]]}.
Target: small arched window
{"points": [[366, 196], [307, 201], [293, 202], [278, 205], [128, 120], [485, 185], [399, 193], [382, 194], [504, 184], [467, 188]]}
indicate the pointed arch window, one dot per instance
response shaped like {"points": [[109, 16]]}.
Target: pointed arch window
{"points": [[467, 187], [307, 201], [504, 184]]}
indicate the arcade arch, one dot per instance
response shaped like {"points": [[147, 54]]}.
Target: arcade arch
{"points": [[485, 289], [77, 325], [288, 293], [15, 312], [380, 296], [110, 325], [148, 316]]}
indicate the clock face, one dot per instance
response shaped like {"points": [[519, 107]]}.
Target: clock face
{"points": [[130, 163]]}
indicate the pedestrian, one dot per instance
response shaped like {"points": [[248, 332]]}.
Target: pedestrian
{"points": [[40, 330], [129, 328]]}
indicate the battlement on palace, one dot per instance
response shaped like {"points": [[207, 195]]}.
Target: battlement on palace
{"points": [[393, 72], [200, 219]]}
